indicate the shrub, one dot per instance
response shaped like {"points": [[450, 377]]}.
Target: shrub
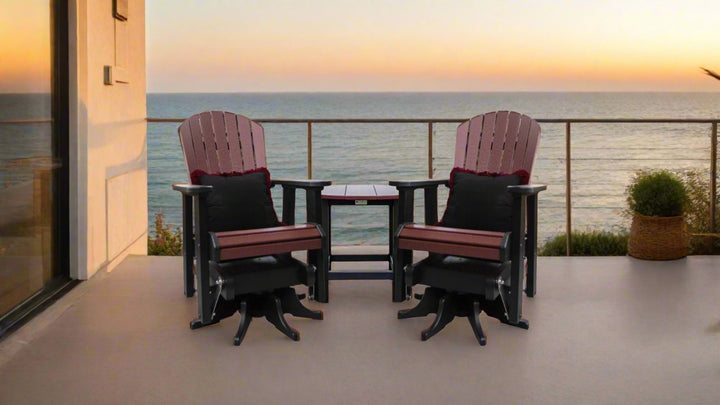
{"points": [[697, 212], [587, 243], [657, 193], [166, 241]]}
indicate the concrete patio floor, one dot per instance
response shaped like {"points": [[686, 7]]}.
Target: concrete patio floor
{"points": [[602, 330]]}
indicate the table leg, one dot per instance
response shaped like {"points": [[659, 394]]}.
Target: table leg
{"points": [[398, 277], [322, 276]]}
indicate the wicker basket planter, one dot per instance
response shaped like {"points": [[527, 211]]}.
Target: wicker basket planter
{"points": [[657, 238]]}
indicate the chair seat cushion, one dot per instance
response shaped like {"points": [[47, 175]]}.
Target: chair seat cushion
{"points": [[481, 200], [264, 273], [461, 274], [239, 200]]}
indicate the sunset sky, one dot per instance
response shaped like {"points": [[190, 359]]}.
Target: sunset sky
{"points": [[400, 45], [416, 45], [24, 46]]}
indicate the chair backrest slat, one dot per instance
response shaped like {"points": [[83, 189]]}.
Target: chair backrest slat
{"points": [[208, 138], [495, 151], [513, 127], [473, 143], [246, 142], [197, 144], [235, 154], [498, 142], [222, 137], [533, 138], [486, 140], [187, 144], [461, 143], [258, 144], [222, 142]]}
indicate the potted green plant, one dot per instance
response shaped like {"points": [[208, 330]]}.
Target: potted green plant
{"points": [[657, 200]]}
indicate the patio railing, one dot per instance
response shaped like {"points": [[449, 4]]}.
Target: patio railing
{"points": [[568, 123]]}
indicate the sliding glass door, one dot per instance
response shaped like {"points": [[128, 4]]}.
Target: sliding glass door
{"points": [[33, 153]]}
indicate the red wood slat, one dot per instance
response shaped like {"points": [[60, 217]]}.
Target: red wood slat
{"points": [[506, 163], [486, 140], [498, 142], [451, 230], [269, 249], [478, 252], [239, 238], [208, 136], [533, 139], [461, 144], [258, 137], [522, 141], [198, 145], [452, 235], [231, 128], [246, 146], [221, 140], [271, 229], [187, 146], [473, 143]]}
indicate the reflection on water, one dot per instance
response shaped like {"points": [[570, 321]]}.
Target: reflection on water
{"points": [[26, 198]]}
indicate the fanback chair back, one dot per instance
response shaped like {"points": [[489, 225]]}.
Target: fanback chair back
{"points": [[497, 142], [222, 142]]}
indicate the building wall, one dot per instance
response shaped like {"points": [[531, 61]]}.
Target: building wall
{"points": [[108, 167]]}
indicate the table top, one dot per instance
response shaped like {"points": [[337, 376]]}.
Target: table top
{"points": [[360, 192]]}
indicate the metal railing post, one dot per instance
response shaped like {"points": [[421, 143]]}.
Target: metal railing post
{"points": [[309, 150], [713, 176], [568, 191], [430, 150]]}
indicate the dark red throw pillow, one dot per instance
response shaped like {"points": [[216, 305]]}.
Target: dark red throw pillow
{"points": [[480, 200], [238, 200]]}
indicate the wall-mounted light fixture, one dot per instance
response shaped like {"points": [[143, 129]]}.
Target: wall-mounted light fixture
{"points": [[120, 9]]}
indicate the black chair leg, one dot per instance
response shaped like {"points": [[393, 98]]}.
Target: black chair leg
{"points": [[291, 304], [245, 319], [274, 314], [429, 303], [447, 308], [474, 318]]}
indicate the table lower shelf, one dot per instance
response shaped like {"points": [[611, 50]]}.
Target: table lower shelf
{"points": [[360, 258], [360, 275]]}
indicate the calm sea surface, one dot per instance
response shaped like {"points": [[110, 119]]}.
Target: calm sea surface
{"points": [[604, 156]]}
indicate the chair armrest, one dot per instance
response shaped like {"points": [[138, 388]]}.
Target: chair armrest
{"points": [[313, 190], [415, 184], [527, 189], [304, 184], [192, 189], [190, 228], [231, 245], [406, 194], [526, 204]]}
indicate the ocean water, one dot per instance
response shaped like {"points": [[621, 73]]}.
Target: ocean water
{"points": [[604, 156]]}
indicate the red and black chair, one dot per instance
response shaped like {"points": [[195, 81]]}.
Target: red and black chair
{"points": [[478, 251], [240, 252]]}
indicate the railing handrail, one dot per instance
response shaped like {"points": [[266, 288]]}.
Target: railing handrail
{"points": [[420, 120], [28, 121], [456, 120]]}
